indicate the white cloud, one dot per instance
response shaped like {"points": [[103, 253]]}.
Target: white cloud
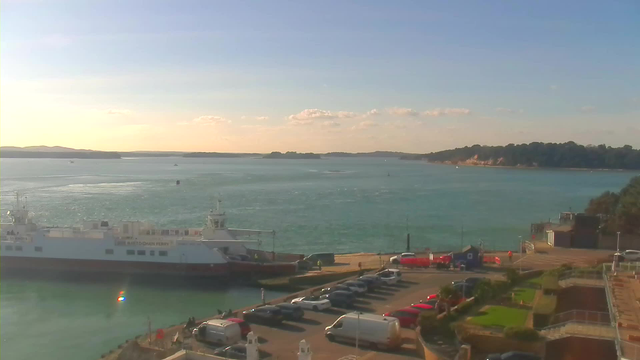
{"points": [[402, 112], [509, 111], [243, 117], [447, 111], [586, 109], [372, 112], [210, 120], [553, 87], [330, 123], [364, 125], [262, 118], [308, 116], [301, 122], [117, 112]]}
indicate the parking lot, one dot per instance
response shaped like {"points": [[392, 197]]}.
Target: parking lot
{"points": [[282, 341]]}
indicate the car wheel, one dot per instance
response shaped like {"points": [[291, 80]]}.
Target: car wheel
{"points": [[314, 308], [331, 338]]}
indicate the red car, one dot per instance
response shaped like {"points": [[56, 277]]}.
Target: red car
{"points": [[423, 307], [408, 317], [245, 329]]}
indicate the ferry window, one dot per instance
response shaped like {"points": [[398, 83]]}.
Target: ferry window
{"points": [[18, 248], [152, 252], [108, 251], [141, 252], [9, 247], [38, 248], [131, 252], [162, 253]]}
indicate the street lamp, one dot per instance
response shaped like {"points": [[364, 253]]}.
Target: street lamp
{"points": [[618, 243]]}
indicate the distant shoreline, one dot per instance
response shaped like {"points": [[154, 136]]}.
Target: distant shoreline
{"points": [[524, 167]]}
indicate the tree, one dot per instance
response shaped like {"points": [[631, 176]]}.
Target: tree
{"points": [[619, 211]]}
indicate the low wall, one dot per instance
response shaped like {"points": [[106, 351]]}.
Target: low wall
{"points": [[424, 352], [582, 298], [490, 344]]}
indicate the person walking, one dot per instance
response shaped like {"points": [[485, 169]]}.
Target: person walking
{"points": [[510, 256], [319, 265]]}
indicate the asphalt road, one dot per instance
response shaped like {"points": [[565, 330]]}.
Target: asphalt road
{"points": [[282, 341]]}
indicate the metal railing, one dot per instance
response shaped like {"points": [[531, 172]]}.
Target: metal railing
{"points": [[582, 316], [630, 351], [614, 319]]}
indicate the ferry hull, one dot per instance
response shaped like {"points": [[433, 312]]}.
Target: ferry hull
{"points": [[9, 263], [14, 263]]}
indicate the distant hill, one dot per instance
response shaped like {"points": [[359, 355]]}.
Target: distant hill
{"points": [[59, 154], [291, 155], [42, 148], [537, 154]]}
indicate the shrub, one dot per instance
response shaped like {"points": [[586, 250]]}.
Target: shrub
{"points": [[512, 275], [485, 289], [464, 307], [521, 333], [428, 322], [546, 305], [550, 283]]}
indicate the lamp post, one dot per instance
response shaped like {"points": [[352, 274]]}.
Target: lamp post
{"points": [[618, 243]]}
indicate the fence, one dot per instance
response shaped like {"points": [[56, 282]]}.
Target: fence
{"points": [[582, 316]]}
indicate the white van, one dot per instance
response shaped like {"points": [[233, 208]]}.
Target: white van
{"points": [[219, 332], [372, 330]]}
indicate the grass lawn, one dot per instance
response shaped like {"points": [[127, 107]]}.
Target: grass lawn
{"points": [[524, 294], [500, 316]]}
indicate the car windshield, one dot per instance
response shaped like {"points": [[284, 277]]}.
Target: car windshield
{"points": [[311, 298]]}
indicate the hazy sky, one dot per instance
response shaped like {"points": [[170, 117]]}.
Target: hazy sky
{"points": [[318, 76]]}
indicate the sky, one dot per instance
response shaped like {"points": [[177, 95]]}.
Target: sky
{"points": [[238, 76]]}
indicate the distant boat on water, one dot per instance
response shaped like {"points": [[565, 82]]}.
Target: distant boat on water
{"points": [[175, 164]]}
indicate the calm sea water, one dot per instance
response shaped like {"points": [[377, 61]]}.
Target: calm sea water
{"points": [[341, 205]]}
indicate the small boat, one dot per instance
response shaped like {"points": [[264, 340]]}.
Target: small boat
{"points": [[175, 164], [177, 182], [71, 161]]}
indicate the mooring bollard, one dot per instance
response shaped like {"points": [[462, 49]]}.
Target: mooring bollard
{"points": [[304, 351], [252, 346]]}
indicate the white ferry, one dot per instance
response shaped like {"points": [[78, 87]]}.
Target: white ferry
{"points": [[133, 247]]}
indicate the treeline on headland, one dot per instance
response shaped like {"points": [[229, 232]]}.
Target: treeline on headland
{"points": [[291, 155], [618, 211], [60, 155], [537, 154]]}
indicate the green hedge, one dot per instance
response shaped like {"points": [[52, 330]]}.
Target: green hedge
{"points": [[546, 305], [521, 333]]}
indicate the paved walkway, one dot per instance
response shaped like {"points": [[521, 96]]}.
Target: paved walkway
{"points": [[586, 330]]}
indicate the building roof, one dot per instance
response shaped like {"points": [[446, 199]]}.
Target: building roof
{"points": [[469, 247]]}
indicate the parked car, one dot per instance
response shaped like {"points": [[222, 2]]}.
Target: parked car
{"points": [[377, 281], [396, 259], [431, 302], [423, 307], [470, 281], [270, 315], [464, 289], [314, 303], [304, 265], [326, 258], [245, 328], [395, 272], [373, 330], [218, 331], [514, 355], [358, 287], [291, 311], [388, 277], [336, 288], [629, 255], [371, 283], [408, 317], [237, 352], [340, 298]]}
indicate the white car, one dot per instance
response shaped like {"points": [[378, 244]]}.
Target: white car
{"points": [[396, 259], [314, 303], [630, 255], [388, 278], [358, 287]]}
